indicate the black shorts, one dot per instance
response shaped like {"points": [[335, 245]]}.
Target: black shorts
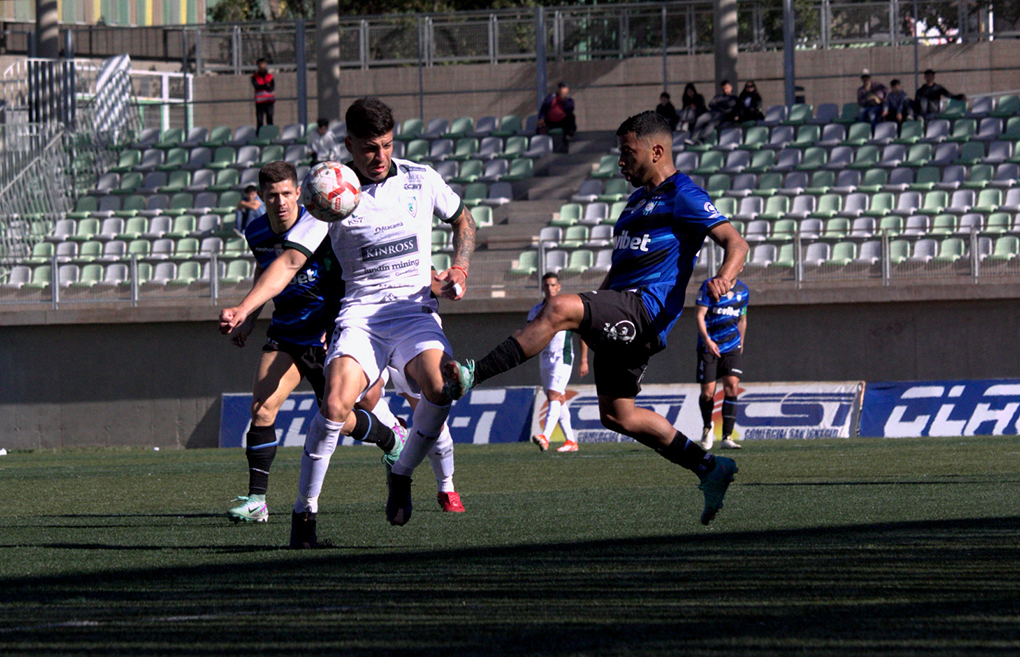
{"points": [[309, 361], [712, 368], [617, 327]]}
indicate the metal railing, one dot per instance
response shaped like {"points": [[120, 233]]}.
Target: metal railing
{"points": [[575, 33]]}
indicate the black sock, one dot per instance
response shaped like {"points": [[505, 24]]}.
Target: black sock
{"points": [[729, 416], [707, 404], [506, 356], [370, 429], [260, 452], [688, 455]]}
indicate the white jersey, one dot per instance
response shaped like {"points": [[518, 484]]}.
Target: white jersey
{"points": [[385, 246], [560, 350]]}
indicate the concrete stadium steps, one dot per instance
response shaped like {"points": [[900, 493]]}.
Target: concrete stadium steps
{"points": [[516, 225]]}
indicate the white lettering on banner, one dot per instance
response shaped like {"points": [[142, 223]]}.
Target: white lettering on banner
{"points": [[483, 428], [488, 396], [964, 417]]}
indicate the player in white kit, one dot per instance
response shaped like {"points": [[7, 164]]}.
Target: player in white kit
{"points": [[389, 316], [556, 361]]}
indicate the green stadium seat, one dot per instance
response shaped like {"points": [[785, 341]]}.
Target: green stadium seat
{"points": [[218, 136], [843, 253], [768, 183], [881, 204], [980, 175], [482, 215], [515, 146], [460, 127], [867, 157], [858, 134], [176, 181], [127, 161], [971, 152], [910, 132], [1006, 106], [570, 214], [440, 240], [925, 179], [918, 155], [134, 228], [761, 161], [716, 185], [711, 162], [474, 194], [607, 167], [807, 136], [776, 207], [1006, 249], [988, 201], [575, 236], [618, 189], [785, 257], [849, 113], [509, 125], [89, 276], [951, 250], [616, 209], [171, 138], [235, 247], [828, 206], [271, 153], [41, 276], [84, 207], [580, 261], [935, 202], [85, 230], [464, 149], [836, 228], [89, 251], [899, 251], [470, 171], [726, 205], [708, 142], [226, 179], [999, 222], [821, 181], [800, 113], [891, 224], [237, 271], [175, 159], [139, 248], [755, 138], [267, 134], [943, 224], [223, 157], [954, 109], [520, 169], [410, 129], [784, 229], [183, 226], [42, 252], [527, 264], [129, 182], [188, 272], [963, 130]]}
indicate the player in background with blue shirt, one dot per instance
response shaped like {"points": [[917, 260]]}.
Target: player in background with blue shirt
{"points": [[655, 247], [722, 324]]}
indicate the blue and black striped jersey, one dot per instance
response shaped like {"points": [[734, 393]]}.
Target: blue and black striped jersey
{"points": [[308, 306], [656, 243], [723, 316]]}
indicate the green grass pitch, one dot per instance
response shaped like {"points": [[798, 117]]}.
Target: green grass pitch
{"points": [[835, 547]]}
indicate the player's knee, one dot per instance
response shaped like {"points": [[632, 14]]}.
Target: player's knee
{"points": [[334, 408], [612, 421], [263, 414]]}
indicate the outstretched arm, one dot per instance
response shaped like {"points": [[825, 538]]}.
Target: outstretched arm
{"points": [[454, 279], [270, 283], [735, 252]]}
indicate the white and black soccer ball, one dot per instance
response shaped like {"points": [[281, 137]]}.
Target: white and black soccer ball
{"points": [[330, 191]]}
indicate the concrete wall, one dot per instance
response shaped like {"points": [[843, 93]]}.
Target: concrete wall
{"points": [[607, 91], [140, 381]]}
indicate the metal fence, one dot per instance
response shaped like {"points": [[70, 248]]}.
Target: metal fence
{"points": [[574, 33]]}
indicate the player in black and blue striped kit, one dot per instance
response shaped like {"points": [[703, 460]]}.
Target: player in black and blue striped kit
{"points": [[655, 247], [722, 324]]}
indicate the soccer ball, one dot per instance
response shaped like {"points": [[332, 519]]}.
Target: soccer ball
{"points": [[330, 191]]}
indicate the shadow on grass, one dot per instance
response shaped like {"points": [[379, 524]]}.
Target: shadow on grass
{"points": [[888, 588]]}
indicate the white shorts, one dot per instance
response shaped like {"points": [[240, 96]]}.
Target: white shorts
{"points": [[555, 376], [376, 343], [400, 384]]}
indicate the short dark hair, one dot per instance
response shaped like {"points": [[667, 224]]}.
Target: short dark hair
{"points": [[561, 84], [724, 83], [929, 71], [261, 60], [893, 83], [369, 117], [323, 122], [550, 274], [665, 95], [645, 124], [251, 188], [278, 171]]}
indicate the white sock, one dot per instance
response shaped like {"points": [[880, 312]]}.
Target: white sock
{"points": [[320, 443], [441, 457], [385, 415], [568, 431], [551, 417], [421, 437]]}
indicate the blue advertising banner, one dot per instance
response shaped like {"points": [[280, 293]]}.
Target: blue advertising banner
{"points": [[487, 415], [941, 408]]}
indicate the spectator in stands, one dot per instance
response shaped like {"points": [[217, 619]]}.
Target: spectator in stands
{"points": [[557, 111], [871, 98], [249, 207], [898, 106], [930, 95], [722, 323], [692, 106], [322, 145], [750, 103], [666, 110], [722, 109], [265, 97]]}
